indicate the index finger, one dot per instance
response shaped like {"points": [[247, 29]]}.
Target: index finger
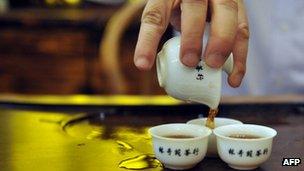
{"points": [[154, 22]]}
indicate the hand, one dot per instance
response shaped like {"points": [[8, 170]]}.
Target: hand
{"points": [[229, 33]]}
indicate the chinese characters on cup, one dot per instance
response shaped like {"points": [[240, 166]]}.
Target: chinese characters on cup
{"points": [[248, 153], [178, 152]]}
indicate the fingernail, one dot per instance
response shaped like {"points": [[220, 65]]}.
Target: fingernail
{"points": [[215, 60], [142, 63], [190, 59]]}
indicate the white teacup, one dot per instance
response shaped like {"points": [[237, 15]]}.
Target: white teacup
{"points": [[244, 154], [201, 84], [212, 149], [179, 153]]}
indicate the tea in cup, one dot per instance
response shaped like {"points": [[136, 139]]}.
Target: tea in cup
{"points": [[244, 146], [180, 146], [218, 121]]}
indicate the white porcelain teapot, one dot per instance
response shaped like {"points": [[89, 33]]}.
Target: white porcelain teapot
{"points": [[201, 84]]}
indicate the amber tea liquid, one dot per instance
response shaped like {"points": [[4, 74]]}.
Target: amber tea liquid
{"points": [[179, 136], [210, 120], [244, 136]]}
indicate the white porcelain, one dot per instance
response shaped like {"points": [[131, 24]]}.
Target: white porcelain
{"points": [[244, 154], [201, 84], [176, 153], [218, 121]]}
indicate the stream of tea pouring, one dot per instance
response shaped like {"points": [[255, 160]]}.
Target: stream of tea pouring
{"points": [[210, 119], [201, 84], [213, 112]]}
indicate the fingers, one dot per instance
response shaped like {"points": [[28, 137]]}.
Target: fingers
{"points": [[154, 22], [224, 21], [240, 47], [193, 16], [175, 19]]}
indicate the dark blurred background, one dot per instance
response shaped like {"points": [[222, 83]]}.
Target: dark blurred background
{"points": [[56, 47]]}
